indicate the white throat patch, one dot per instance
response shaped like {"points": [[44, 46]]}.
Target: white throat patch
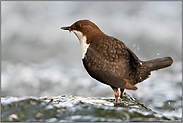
{"points": [[83, 45]]}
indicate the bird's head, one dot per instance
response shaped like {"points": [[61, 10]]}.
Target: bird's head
{"points": [[83, 28]]}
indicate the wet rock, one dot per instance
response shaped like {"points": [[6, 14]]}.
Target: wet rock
{"points": [[68, 108]]}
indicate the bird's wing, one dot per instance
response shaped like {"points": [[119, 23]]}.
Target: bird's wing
{"points": [[110, 61], [134, 58], [102, 69]]}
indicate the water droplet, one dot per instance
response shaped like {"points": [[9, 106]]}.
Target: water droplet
{"points": [[168, 103], [38, 43], [138, 48], [134, 45], [158, 54]]}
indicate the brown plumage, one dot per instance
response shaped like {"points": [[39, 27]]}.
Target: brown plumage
{"points": [[109, 61]]}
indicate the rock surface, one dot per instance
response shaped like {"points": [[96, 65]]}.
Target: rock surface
{"points": [[68, 108]]}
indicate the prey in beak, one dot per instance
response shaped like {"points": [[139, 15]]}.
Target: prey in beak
{"points": [[66, 28]]}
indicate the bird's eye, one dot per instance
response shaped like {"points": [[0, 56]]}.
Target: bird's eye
{"points": [[80, 25]]}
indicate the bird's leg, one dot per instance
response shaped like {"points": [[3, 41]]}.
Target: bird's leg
{"points": [[121, 95], [116, 93]]}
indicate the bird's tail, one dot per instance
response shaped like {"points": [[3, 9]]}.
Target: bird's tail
{"points": [[159, 63]]}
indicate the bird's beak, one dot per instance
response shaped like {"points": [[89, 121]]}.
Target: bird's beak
{"points": [[66, 28]]}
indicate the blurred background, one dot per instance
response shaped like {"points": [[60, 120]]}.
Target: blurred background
{"points": [[40, 59]]}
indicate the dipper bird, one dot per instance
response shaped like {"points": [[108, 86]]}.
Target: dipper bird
{"points": [[110, 61]]}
